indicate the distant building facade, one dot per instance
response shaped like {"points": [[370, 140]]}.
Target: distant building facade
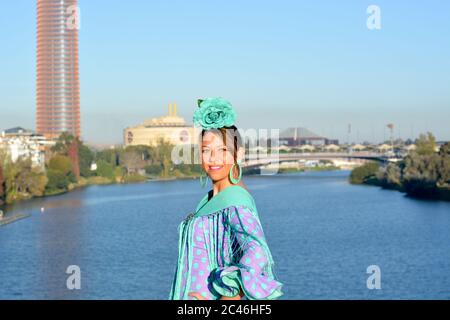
{"points": [[170, 128], [20, 142], [299, 136]]}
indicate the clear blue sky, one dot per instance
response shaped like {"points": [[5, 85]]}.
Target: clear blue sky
{"points": [[280, 63]]}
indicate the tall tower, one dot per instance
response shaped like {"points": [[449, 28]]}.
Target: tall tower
{"points": [[58, 84]]}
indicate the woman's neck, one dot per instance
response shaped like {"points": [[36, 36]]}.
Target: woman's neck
{"points": [[222, 184]]}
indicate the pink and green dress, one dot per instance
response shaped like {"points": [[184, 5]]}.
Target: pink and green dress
{"points": [[223, 250]]}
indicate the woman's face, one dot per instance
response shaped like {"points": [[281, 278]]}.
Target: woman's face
{"points": [[217, 158]]}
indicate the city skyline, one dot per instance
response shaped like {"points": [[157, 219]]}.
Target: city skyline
{"points": [[281, 65]]}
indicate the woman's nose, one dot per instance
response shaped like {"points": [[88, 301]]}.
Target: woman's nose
{"points": [[212, 156]]}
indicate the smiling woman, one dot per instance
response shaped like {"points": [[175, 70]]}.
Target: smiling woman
{"points": [[223, 252]]}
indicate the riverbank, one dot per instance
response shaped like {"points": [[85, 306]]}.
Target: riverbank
{"points": [[97, 180], [423, 173], [398, 177], [320, 168]]}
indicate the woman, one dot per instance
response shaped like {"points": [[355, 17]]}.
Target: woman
{"points": [[223, 252]]}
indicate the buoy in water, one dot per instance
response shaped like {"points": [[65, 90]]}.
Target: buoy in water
{"points": [[42, 209]]}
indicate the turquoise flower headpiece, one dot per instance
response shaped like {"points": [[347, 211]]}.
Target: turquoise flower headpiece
{"points": [[213, 113]]}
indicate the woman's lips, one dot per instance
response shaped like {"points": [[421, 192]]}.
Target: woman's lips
{"points": [[215, 168]]}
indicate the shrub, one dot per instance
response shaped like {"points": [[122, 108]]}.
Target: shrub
{"points": [[105, 169], [364, 173], [57, 180]]}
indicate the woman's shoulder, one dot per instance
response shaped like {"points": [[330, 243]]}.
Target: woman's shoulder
{"points": [[242, 211]]}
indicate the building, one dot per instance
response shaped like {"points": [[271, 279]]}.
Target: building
{"points": [[20, 142], [332, 148], [301, 136], [358, 147], [57, 85], [170, 128]]}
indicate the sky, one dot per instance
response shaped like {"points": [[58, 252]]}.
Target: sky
{"points": [[312, 64]]}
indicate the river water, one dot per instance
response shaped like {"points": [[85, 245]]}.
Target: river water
{"points": [[323, 233]]}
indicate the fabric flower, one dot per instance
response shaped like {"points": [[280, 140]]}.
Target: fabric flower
{"points": [[213, 113]]}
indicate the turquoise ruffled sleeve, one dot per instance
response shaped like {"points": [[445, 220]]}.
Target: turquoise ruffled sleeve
{"points": [[251, 267]]}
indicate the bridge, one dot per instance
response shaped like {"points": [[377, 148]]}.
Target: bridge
{"points": [[263, 159]]}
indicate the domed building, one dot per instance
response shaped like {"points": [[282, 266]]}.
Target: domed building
{"points": [[170, 128]]}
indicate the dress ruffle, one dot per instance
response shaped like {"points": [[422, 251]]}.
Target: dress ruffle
{"points": [[252, 269], [228, 281]]}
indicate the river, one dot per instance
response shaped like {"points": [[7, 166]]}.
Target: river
{"points": [[323, 233]]}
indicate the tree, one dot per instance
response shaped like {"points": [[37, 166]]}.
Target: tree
{"points": [[364, 173], [63, 142], [132, 160], [72, 153], [154, 169], [445, 150], [81, 156], [3, 160], [390, 176], [23, 181], [420, 174], [426, 144], [444, 166], [2, 182], [59, 173], [162, 153], [104, 169], [61, 163], [119, 173], [86, 157], [56, 181]]}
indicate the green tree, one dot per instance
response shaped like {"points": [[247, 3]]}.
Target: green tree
{"points": [[154, 169], [444, 150], [56, 181], [390, 176], [23, 181], [444, 167], [105, 169], [2, 185], [61, 163], [62, 143], [365, 173], [163, 154], [86, 157], [426, 144], [109, 155], [119, 173], [420, 174]]}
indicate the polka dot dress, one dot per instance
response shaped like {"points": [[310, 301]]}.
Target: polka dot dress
{"points": [[224, 253]]}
